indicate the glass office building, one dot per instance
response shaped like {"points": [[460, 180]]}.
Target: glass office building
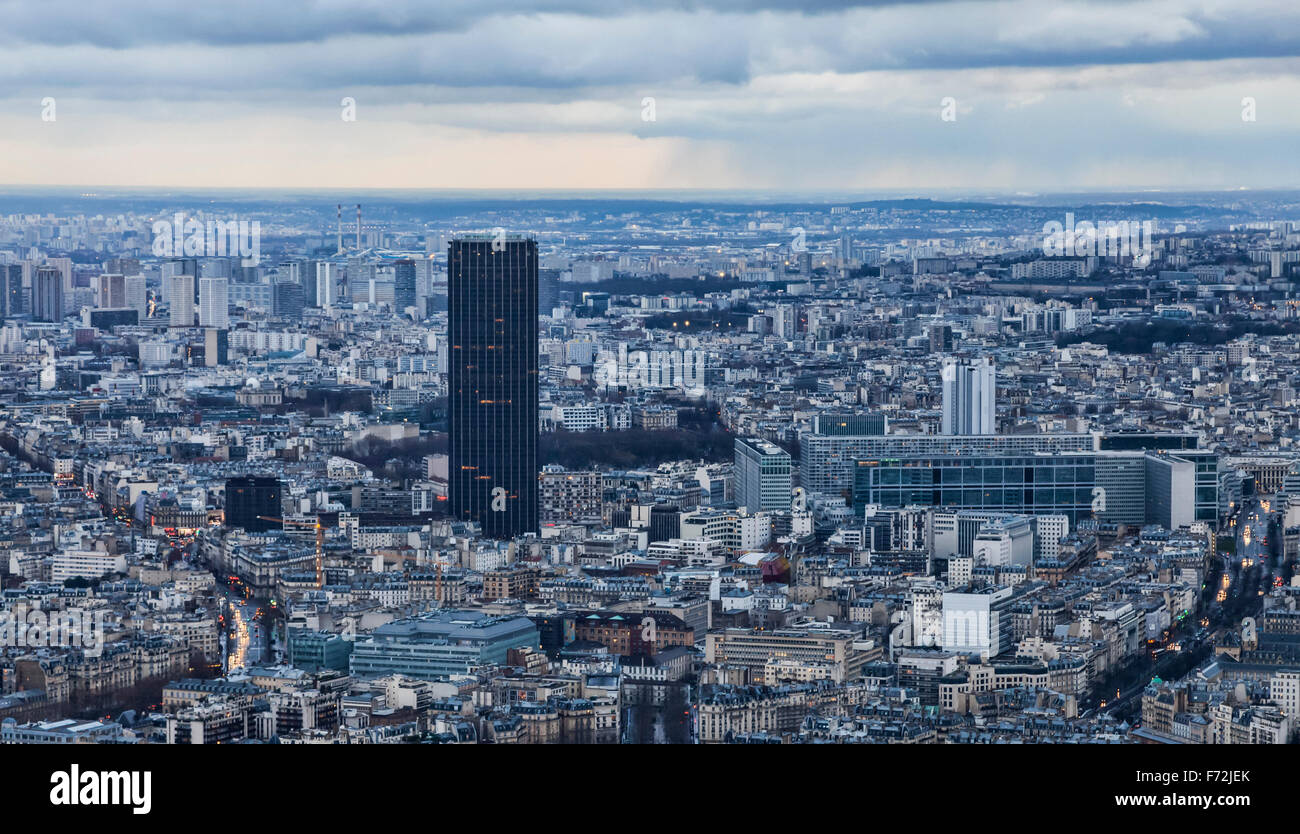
{"points": [[827, 459], [1120, 487], [403, 284], [762, 475], [851, 424], [492, 395], [437, 644], [1029, 484]]}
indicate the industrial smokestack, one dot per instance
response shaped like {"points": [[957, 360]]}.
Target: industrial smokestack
{"points": [[358, 227], [340, 232]]}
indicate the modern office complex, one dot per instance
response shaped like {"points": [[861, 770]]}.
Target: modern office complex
{"points": [[978, 621], [762, 475], [1040, 473], [1121, 487], [442, 643], [492, 399], [828, 460], [851, 424]]}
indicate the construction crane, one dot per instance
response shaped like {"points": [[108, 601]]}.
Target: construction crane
{"points": [[320, 542]]}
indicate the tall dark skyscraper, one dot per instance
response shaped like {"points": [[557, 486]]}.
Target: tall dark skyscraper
{"points": [[304, 274], [288, 299], [548, 291], [403, 284], [251, 501], [11, 290], [492, 331], [941, 338], [47, 294]]}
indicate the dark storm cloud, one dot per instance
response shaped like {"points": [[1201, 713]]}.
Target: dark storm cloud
{"points": [[121, 25], [742, 88], [252, 47], [565, 44]]}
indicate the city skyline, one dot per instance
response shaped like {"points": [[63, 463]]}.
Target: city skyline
{"points": [[704, 458]]}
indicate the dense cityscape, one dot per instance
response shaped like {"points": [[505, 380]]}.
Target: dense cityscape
{"points": [[381, 468]]}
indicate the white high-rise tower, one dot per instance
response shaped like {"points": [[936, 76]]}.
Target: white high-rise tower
{"points": [[180, 300], [970, 398], [214, 303], [326, 275]]}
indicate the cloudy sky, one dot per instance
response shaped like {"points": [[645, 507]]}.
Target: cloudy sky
{"points": [[774, 94]]}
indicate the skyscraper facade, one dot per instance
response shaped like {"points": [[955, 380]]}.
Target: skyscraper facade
{"points": [[64, 266], [403, 285], [326, 275], [762, 473], [940, 338], [492, 335], [288, 299], [969, 398], [11, 290], [110, 291], [180, 301], [47, 294], [137, 294], [306, 278], [214, 303]]}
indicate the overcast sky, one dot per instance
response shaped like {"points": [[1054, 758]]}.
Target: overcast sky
{"points": [[780, 94]]}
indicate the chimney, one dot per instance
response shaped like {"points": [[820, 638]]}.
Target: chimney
{"points": [[358, 227], [340, 232]]}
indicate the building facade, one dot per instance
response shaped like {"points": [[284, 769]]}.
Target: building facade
{"points": [[763, 475], [492, 400]]}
